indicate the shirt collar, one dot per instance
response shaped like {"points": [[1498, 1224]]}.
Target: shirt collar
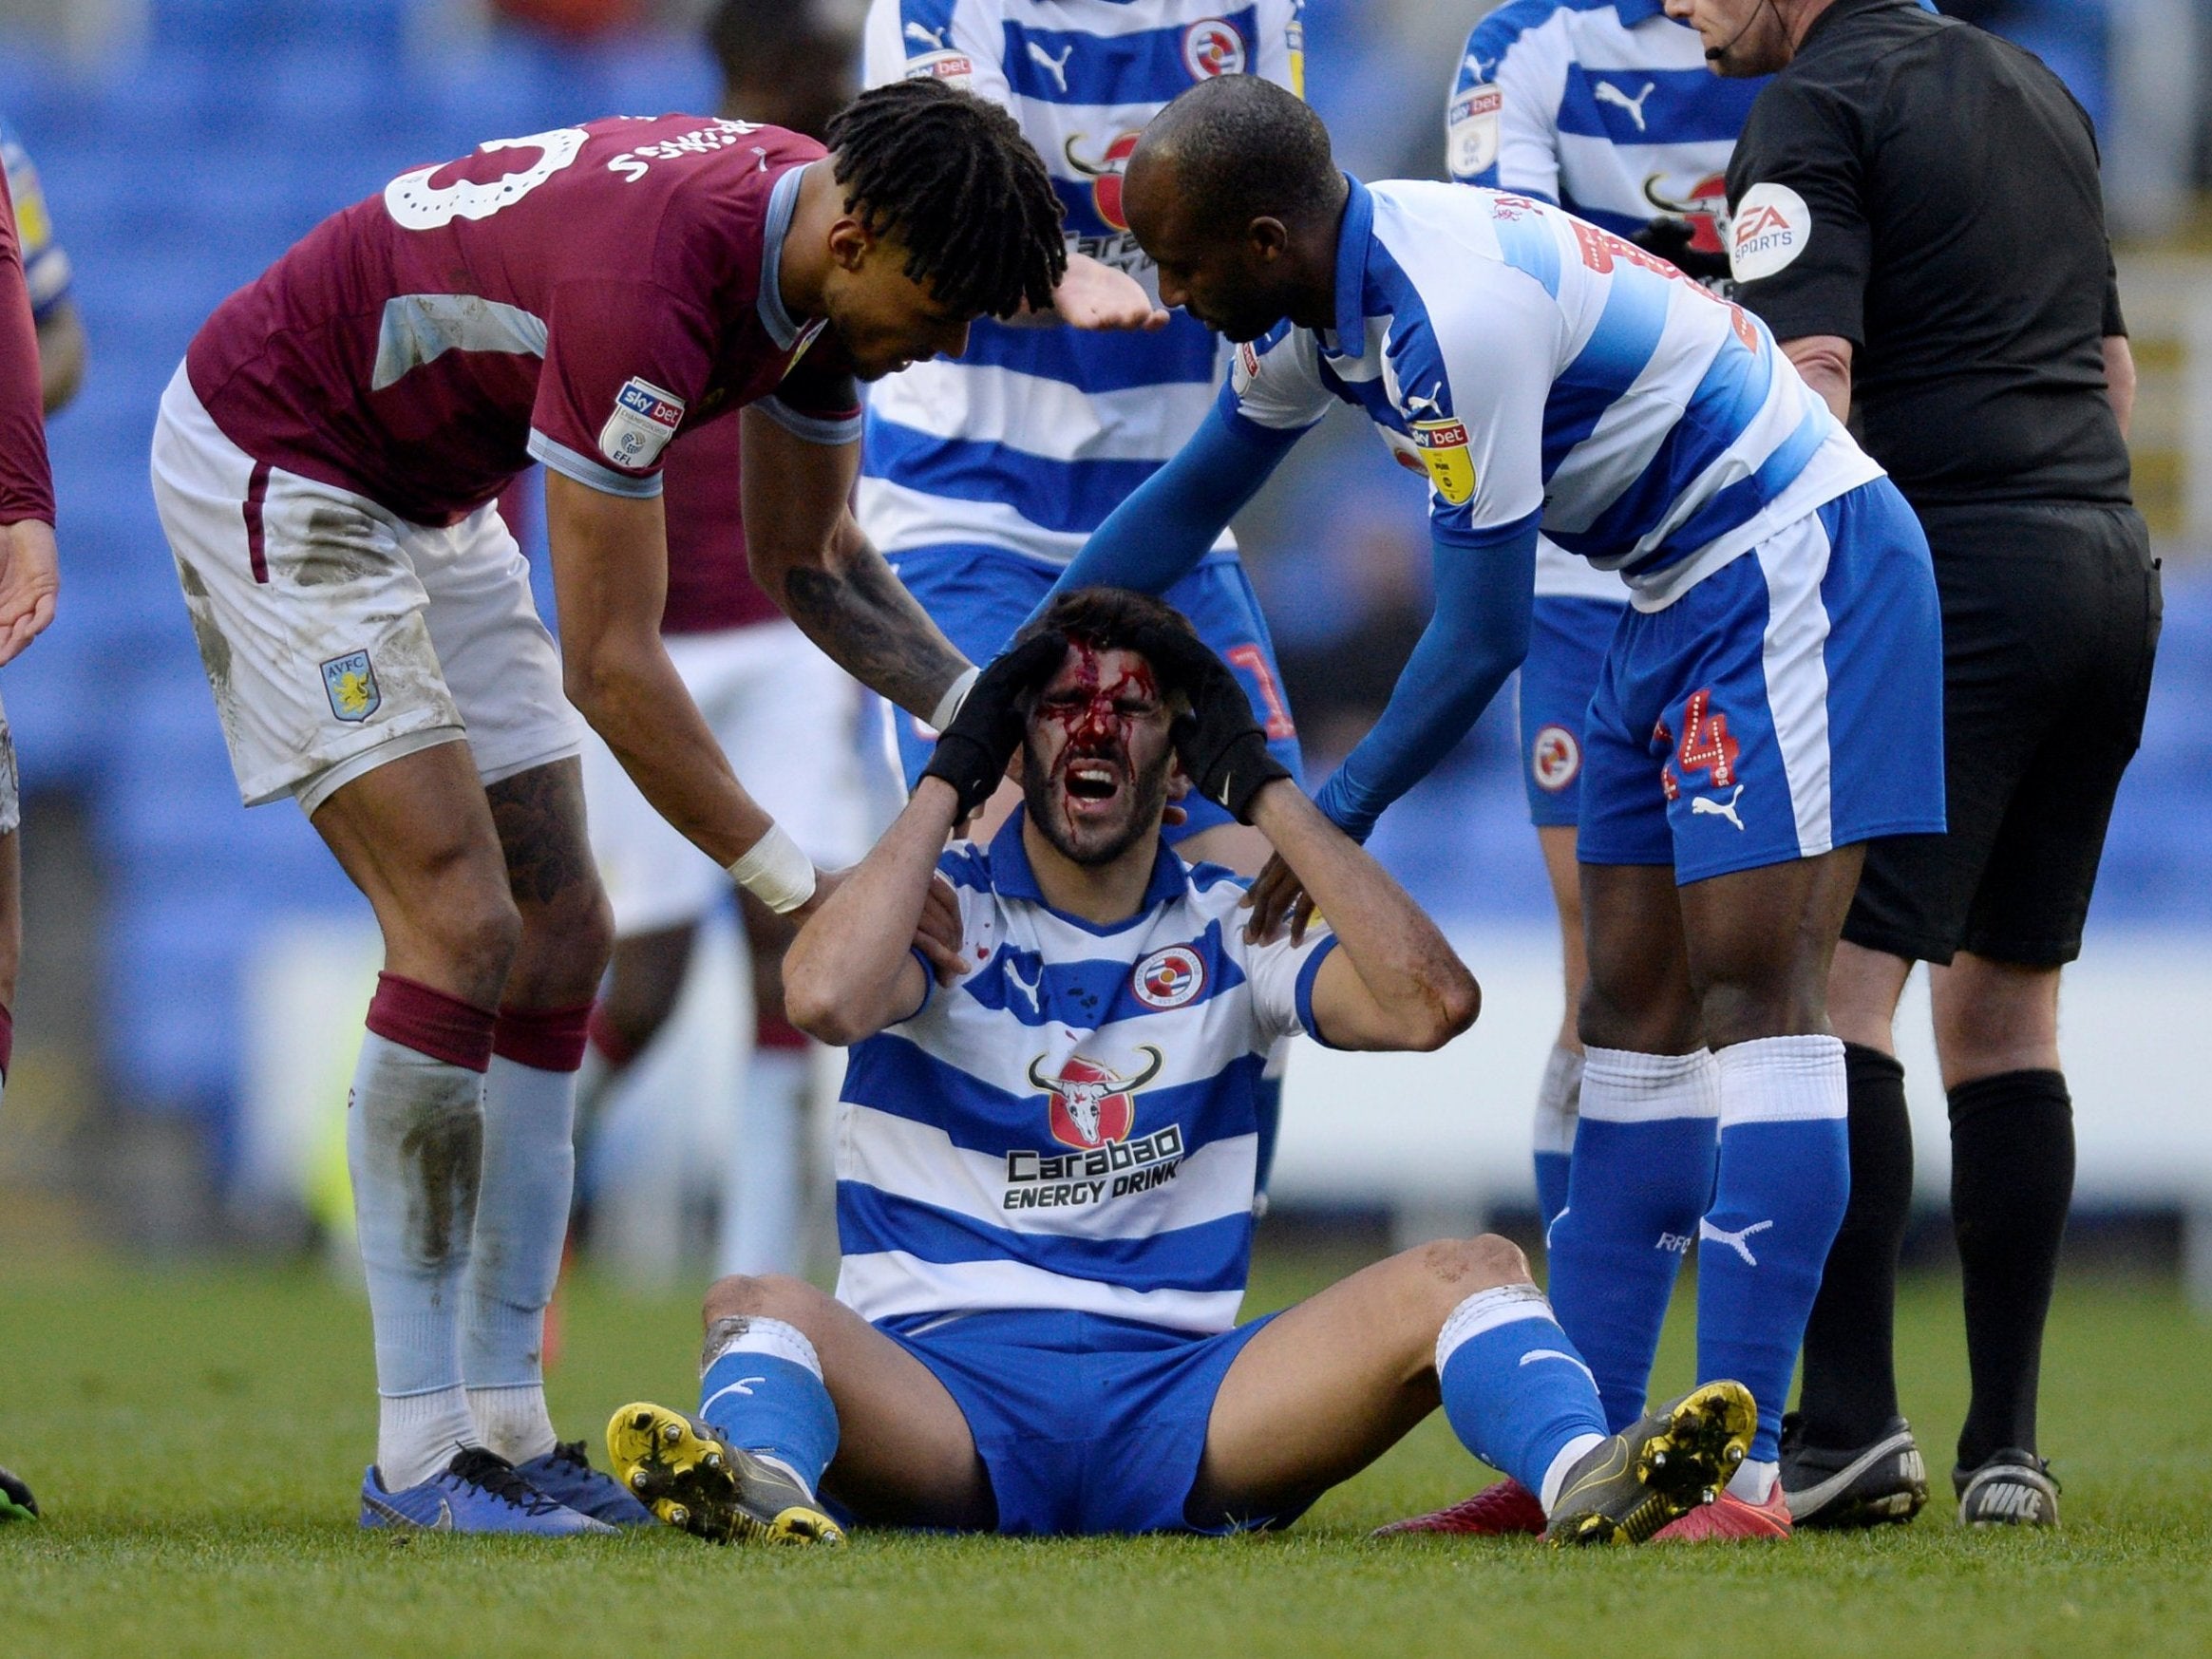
{"points": [[782, 202], [1352, 237], [1844, 8], [1635, 12], [1012, 878]]}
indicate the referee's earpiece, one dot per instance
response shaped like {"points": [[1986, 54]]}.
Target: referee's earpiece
{"points": [[1715, 54]]}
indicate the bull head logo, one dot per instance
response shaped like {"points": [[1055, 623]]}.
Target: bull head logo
{"points": [[1706, 208], [1105, 177], [1088, 1106]]}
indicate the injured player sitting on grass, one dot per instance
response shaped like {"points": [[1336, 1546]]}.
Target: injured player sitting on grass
{"points": [[1045, 1170]]}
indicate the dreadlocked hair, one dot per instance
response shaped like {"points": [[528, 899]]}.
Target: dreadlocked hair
{"points": [[951, 178]]}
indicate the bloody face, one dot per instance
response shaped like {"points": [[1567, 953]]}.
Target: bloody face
{"points": [[1096, 754]]}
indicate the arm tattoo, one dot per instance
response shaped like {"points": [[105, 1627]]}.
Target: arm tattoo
{"points": [[870, 625], [540, 814]]}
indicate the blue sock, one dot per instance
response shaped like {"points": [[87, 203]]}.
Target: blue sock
{"points": [[762, 1391], [1640, 1178], [1267, 1109], [1557, 1103], [1785, 1178], [1516, 1392]]}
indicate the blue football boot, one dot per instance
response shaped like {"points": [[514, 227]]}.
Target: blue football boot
{"points": [[565, 1475], [477, 1492]]}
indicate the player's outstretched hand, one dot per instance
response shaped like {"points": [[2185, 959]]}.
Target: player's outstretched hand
{"points": [[1277, 897], [972, 751], [1096, 296], [1222, 747], [31, 577]]}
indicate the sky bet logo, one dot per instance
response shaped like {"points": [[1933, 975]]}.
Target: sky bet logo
{"points": [[640, 400]]}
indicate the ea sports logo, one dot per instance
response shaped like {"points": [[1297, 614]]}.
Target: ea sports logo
{"points": [[1105, 177], [1772, 227], [1212, 46], [1553, 758], [1169, 978]]}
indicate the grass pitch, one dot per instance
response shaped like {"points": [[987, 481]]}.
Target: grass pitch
{"points": [[196, 1438]]}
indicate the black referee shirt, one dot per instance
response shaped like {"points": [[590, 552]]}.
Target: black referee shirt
{"points": [[1929, 193]]}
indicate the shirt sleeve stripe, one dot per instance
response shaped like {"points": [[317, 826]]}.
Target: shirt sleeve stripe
{"points": [[813, 428], [590, 473]]}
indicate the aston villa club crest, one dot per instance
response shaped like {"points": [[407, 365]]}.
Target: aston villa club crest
{"points": [[1088, 1106], [349, 682]]}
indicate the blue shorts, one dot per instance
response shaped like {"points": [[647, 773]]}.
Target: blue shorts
{"points": [[1085, 1424], [1788, 704], [980, 596], [1566, 647]]}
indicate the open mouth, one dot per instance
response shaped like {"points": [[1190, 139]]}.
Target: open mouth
{"points": [[1093, 781]]}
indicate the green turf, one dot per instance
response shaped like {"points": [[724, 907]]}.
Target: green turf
{"points": [[195, 1438]]}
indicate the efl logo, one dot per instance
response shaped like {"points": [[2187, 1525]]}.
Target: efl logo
{"points": [[644, 420], [1772, 227], [1212, 46], [1472, 127], [1443, 445], [1169, 978]]}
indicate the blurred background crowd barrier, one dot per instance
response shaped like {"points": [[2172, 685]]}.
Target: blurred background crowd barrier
{"points": [[194, 973]]}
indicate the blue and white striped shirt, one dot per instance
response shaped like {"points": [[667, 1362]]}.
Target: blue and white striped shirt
{"points": [[1607, 108], [1029, 441], [1542, 371], [1070, 1124]]}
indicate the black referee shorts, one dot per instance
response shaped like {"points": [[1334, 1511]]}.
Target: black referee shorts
{"points": [[2050, 620]]}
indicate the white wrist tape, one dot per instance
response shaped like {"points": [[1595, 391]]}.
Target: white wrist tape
{"points": [[949, 705], [776, 871]]}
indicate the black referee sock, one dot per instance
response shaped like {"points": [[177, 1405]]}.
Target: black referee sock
{"points": [[1850, 1380], [2012, 1179]]}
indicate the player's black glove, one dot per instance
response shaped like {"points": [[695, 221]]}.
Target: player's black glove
{"points": [[1223, 750], [1670, 238], [972, 751]]}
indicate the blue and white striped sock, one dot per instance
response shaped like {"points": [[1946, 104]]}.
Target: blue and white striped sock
{"points": [[762, 1388], [1641, 1177], [1516, 1392], [1785, 1178]]}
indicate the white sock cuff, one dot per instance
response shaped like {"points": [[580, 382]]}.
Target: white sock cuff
{"points": [[1557, 1102], [1782, 1080], [1486, 1311], [751, 1334], [1564, 1465], [1620, 1085]]}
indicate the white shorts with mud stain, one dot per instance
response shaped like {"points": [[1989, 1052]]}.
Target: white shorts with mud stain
{"points": [[338, 637]]}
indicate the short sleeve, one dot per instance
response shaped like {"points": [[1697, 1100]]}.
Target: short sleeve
{"points": [[817, 401], [1281, 977], [1276, 381], [1501, 125], [1799, 244], [942, 40], [624, 363], [1281, 54], [2115, 324], [1472, 377]]}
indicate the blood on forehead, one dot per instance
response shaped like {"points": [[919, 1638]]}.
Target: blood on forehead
{"points": [[1084, 698]]}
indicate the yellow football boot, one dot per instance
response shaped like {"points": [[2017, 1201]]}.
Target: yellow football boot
{"points": [[691, 1478], [1658, 1470]]}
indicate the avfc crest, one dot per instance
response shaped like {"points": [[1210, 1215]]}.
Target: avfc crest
{"points": [[351, 684], [1089, 1106]]}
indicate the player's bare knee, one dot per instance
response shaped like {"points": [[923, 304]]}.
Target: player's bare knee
{"points": [[761, 1296], [1448, 1270]]}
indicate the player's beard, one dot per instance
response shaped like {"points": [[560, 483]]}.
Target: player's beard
{"points": [[1144, 798]]}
